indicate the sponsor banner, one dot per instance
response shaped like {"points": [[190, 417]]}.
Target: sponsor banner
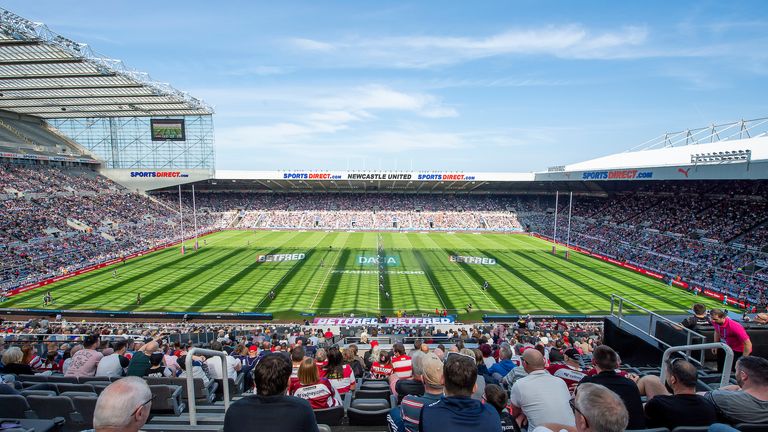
{"points": [[90, 268], [160, 174], [421, 321], [337, 321], [376, 176], [343, 321], [280, 257], [471, 260], [389, 261], [630, 174]]}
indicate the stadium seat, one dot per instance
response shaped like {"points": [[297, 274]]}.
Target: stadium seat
{"points": [[65, 387], [31, 378], [372, 394], [98, 386], [53, 407], [62, 379], [15, 406], [373, 384], [330, 416], [86, 406], [167, 399], [86, 380], [235, 387], [73, 394], [323, 428], [28, 392], [368, 412]]}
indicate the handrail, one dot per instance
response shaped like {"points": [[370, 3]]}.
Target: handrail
{"points": [[650, 332], [726, 374], [191, 383]]}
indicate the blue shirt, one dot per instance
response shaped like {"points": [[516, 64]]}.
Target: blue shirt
{"points": [[459, 414], [502, 368]]}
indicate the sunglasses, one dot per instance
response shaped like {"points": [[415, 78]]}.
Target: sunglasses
{"points": [[141, 406], [572, 403]]}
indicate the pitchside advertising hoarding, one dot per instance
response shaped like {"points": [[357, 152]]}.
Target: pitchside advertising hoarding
{"points": [[344, 321]]}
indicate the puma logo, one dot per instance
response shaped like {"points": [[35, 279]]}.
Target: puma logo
{"points": [[683, 171]]}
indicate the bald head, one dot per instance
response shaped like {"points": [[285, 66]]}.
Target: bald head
{"points": [[123, 406], [150, 347], [534, 360]]}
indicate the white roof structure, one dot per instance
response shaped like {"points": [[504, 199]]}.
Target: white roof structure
{"points": [[46, 75]]}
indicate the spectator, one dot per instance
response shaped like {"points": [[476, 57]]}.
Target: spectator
{"points": [[405, 417], [486, 352], [297, 356], [606, 361], [414, 384], [539, 396], [13, 362], [214, 364], [683, 407], [157, 368], [480, 380], [31, 358], [401, 362], [747, 403], [505, 364], [596, 409], [318, 391], [86, 361], [198, 369], [698, 319], [571, 371], [382, 367], [339, 374], [114, 364], [497, 397], [733, 334], [349, 359], [270, 409], [457, 411], [140, 360], [123, 406]]}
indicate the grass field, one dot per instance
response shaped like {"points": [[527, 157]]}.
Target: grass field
{"points": [[223, 276]]}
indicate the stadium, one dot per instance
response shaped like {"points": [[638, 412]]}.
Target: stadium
{"points": [[117, 222]]}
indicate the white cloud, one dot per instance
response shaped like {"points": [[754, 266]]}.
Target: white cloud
{"points": [[377, 97], [570, 41]]}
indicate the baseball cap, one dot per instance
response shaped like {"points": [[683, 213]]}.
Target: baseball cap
{"points": [[253, 348], [374, 344], [544, 340], [572, 353], [432, 370]]}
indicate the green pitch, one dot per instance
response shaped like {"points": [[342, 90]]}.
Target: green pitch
{"points": [[223, 276]]}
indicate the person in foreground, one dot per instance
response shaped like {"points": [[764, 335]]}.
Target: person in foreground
{"points": [[270, 408], [596, 409], [747, 402], [405, 417], [457, 411], [539, 396], [123, 406], [681, 408]]}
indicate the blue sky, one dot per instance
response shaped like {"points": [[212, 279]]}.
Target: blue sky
{"points": [[443, 85]]}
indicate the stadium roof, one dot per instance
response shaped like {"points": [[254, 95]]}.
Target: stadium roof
{"points": [[46, 75]]}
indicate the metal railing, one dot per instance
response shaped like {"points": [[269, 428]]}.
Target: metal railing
{"points": [[726, 374], [617, 311], [191, 382]]}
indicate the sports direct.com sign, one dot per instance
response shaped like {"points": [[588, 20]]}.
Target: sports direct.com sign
{"points": [[342, 321]]}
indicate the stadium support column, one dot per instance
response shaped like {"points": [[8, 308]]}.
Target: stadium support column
{"points": [[568, 235], [194, 214], [181, 225], [113, 142], [554, 234]]}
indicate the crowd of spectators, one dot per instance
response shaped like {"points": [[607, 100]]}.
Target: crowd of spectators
{"points": [[540, 375]]}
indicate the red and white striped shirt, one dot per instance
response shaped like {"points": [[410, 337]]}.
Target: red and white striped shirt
{"points": [[379, 371], [403, 366], [321, 395], [344, 383]]}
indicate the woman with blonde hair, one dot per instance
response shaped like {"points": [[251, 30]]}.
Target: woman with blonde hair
{"points": [[319, 392], [13, 362]]}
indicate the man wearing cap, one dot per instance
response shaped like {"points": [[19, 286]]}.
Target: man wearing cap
{"points": [[571, 372], [406, 416]]}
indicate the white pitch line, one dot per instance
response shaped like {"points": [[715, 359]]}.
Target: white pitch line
{"points": [[426, 273], [322, 284]]}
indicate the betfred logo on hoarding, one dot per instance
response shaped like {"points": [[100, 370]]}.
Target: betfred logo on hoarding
{"points": [[280, 257], [472, 260]]}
